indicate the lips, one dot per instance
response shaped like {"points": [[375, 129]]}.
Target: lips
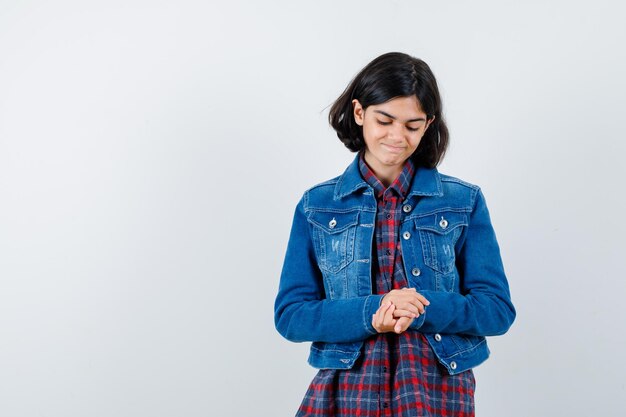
{"points": [[393, 149]]}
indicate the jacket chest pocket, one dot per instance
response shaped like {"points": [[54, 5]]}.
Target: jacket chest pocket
{"points": [[439, 233], [333, 235]]}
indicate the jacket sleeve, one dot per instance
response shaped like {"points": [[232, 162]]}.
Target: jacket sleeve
{"points": [[484, 307], [301, 310]]}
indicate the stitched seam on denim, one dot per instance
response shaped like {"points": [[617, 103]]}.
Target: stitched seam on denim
{"points": [[356, 187], [438, 210], [439, 232], [468, 349], [339, 184], [447, 178], [332, 181], [331, 290], [335, 210], [330, 231], [334, 350], [358, 209], [319, 241], [474, 198], [368, 300]]}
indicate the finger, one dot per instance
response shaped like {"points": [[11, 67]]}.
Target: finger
{"points": [[398, 327], [380, 314], [417, 300], [423, 299], [388, 320], [411, 305], [404, 313], [402, 324], [376, 318]]}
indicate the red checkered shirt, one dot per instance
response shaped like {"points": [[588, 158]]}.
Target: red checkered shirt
{"points": [[395, 375]]}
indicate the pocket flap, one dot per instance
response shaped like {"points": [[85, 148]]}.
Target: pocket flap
{"points": [[442, 222], [333, 222]]}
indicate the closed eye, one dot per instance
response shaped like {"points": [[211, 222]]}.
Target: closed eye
{"points": [[411, 129]]}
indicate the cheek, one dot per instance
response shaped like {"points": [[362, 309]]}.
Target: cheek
{"points": [[415, 140], [373, 131]]}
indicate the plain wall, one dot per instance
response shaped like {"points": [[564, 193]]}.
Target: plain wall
{"points": [[152, 153]]}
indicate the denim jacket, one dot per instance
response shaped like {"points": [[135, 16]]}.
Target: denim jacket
{"points": [[450, 255]]}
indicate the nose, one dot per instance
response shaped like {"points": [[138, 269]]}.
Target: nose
{"points": [[395, 132]]}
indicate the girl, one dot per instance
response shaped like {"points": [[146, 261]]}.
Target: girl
{"points": [[392, 269]]}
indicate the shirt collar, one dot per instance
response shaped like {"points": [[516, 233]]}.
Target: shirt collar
{"points": [[400, 185], [426, 181]]}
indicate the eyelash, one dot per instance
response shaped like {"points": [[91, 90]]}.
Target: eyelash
{"points": [[388, 123]]}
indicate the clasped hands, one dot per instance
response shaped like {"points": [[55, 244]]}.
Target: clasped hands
{"points": [[398, 309]]}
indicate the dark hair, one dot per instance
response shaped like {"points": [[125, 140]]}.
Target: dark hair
{"points": [[392, 75]]}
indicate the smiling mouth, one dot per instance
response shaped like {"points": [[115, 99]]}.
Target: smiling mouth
{"points": [[394, 149]]}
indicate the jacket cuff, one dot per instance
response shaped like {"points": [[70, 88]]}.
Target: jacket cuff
{"points": [[418, 322], [372, 303]]}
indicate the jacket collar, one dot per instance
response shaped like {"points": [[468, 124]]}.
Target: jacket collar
{"points": [[427, 181]]}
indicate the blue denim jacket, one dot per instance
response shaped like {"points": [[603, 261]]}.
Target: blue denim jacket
{"points": [[450, 255]]}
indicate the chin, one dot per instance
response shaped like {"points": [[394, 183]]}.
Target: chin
{"points": [[394, 161]]}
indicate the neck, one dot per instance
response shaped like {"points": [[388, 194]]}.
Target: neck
{"points": [[386, 174]]}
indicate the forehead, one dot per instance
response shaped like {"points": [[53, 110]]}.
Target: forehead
{"points": [[400, 107]]}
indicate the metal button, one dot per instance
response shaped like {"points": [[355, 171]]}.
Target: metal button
{"points": [[438, 337], [443, 223], [406, 235], [453, 365], [416, 272], [406, 208], [332, 223], [388, 216]]}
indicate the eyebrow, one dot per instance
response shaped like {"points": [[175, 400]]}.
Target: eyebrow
{"points": [[419, 119]]}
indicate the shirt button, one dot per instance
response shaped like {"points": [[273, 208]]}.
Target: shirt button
{"points": [[388, 252], [384, 369], [385, 405], [438, 338], [406, 235], [406, 208], [416, 272], [453, 365], [388, 216]]}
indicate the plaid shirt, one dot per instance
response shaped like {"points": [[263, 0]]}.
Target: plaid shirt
{"points": [[396, 375]]}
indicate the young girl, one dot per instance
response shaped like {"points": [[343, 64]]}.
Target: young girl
{"points": [[392, 269]]}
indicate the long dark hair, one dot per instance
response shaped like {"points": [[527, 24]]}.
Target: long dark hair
{"points": [[392, 75]]}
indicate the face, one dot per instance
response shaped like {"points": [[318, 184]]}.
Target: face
{"points": [[392, 131]]}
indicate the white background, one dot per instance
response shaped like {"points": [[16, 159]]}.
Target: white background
{"points": [[152, 153]]}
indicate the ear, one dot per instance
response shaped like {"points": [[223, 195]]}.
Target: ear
{"points": [[358, 112]]}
